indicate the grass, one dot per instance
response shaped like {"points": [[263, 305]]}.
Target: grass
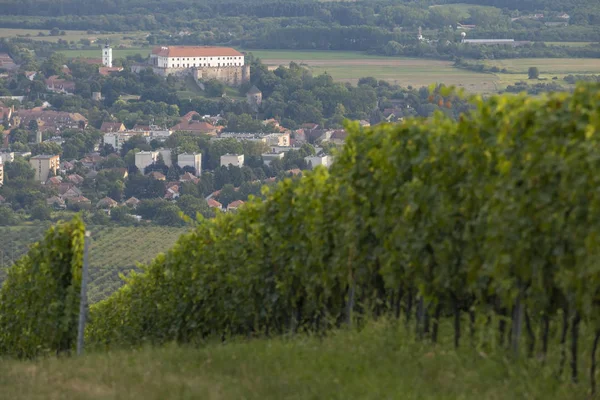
{"points": [[350, 66], [117, 53], [549, 66], [569, 44], [121, 38], [379, 362], [114, 251]]}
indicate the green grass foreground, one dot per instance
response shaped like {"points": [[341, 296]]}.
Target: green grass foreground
{"points": [[380, 362]]}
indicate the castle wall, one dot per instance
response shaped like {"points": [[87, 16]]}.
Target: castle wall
{"points": [[229, 75]]}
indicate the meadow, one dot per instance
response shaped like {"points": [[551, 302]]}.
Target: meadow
{"points": [[113, 251], [120, 38], [381, 361]]}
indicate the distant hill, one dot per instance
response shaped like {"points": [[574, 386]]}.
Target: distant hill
{"points": [[114, 250]]}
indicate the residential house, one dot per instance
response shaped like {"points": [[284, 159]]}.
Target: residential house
{"points": [[188, 177], [112, 127], [75, 179], [106, 71], [295, 171], [212, 203], [7, 63], [172, 192], [56, 202], [159, 176], [1, 173], [69, 191], [106, 203], [56, 121], [196, 127], [234, 205], [338, 137], [132, 202], [59, 85], [79, 202], [363, 123], [44, 165], [55, 180]]}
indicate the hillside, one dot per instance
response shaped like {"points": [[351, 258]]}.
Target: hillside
{"points": [[114, 250], [381, 362]]}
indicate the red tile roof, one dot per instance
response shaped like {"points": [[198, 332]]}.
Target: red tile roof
{"points": [[213, 203], [195, 51]]}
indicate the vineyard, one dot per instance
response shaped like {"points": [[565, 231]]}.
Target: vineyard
{"points": [[491, 221], [481, 232], [113, 251]]}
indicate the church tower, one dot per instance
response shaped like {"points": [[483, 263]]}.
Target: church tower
{"points": [[107, 55]]}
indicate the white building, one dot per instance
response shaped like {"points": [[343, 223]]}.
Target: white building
{"points": [[7, 157], [193, 160], [237, 160], [1, 173], [145, 158], [268, 158], [195, 56], [107, 56], [166, 156], [319, 160], [116, 139]]}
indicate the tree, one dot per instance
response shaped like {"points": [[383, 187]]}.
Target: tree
{"points": [[534, 73], [41, 212]]}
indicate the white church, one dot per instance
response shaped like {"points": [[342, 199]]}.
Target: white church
{"points": [[107, 56]]}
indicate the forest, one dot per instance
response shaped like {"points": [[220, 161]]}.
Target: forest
{"points": [[371, 26]]}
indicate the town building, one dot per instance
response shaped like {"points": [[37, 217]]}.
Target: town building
{"points": [[323, 160], [8, 156], [107, 127], [193, 160], [202, 62], [44, 165], [55, 121], [237, 160], [59, 85], [144, 159], [268, 158]]}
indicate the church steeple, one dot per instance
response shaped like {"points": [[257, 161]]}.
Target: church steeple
{"points": [[107, 55]]}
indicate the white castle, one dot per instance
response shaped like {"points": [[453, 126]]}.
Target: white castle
{"points": [[202, 62]]}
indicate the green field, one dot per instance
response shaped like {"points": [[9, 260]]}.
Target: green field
{"points": [[114, 250], [350, 66], [549, 65], [120, 38], [569, 44], [117, 53], [379, 362]]}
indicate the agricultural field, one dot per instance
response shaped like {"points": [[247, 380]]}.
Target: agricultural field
{"points": [[113, 251], [549, 66], [117, 39], [117, 53], [350, 66]]}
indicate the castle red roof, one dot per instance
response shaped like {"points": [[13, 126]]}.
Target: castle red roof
{"points": [[195, 51]]}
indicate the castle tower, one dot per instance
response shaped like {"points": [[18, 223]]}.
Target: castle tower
{"points": [[107, 55]]}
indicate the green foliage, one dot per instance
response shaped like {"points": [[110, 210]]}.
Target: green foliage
{"points": [[39, 301], [491, 213], [533, 73]]}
